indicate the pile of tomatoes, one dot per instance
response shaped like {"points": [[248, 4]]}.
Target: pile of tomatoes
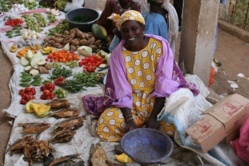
{"points": [[47, 90], [14, 22], [91, 63], [59, 81], [62, 56], [27, 94]]}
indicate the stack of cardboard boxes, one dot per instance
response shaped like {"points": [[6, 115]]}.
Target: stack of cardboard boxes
{"points": [[223, 120]]}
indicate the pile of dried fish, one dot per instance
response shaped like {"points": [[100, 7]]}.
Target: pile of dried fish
{"points": [[65, 130], [33, 150]]}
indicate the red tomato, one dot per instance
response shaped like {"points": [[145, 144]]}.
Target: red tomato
{"points": [[43, 97], [61, 78], [52, 95], [21, 92], [27, 89], [33, 91], [28, 97], [23, 101], [49, 86], [46, 92], [42, 88]]}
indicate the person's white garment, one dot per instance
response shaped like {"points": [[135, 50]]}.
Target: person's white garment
{"points": [[74, 5]]}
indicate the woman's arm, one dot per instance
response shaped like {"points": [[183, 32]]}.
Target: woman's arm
{"points": [[152, 120], [129, 121]]}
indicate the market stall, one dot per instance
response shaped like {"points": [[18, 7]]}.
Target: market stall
{"points": [[54, 67]]}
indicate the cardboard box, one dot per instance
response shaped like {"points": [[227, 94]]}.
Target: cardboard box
{"points": [[207, 132], [232, 111], [222, 120]]}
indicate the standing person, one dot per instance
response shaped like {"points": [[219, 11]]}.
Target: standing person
{"points": [[142, 74], [178, 4], [115, 6], [168, 11], [155, 20]]}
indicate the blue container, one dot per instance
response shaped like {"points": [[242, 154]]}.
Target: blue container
{"points": [[91, 15], [147, 146]]}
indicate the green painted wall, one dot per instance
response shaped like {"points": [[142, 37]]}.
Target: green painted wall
{"points": [[241, 15]]}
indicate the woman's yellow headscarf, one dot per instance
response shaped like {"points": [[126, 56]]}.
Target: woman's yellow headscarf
{"points": [[128, 15]]}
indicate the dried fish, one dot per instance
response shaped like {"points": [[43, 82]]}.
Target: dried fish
{"points": [[59, 104], [34, 128], [72, 123], [60, 160], [99, 156], [36, 151], [63, 136], [19, 145], [66, 113]]}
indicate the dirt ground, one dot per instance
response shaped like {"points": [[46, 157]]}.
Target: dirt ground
{"points": [[231, 52]]}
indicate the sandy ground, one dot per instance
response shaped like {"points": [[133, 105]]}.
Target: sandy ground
{"points": [[231, 52]]}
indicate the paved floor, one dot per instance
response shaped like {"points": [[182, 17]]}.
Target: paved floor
{"points": [[232, 52]]}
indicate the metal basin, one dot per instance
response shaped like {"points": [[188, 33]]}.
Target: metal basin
{"points": [[147, 146]]}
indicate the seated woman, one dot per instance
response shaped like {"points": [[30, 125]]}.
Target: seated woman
{"points": [[142, 74], [115, 6]]}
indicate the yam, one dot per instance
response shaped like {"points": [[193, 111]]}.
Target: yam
{"points": [[97, 42], [87, 36], [73, 48], [90, 34], [43, 70], [91, 40], [58, 35], [80, 34], [75, 43], [47, 66], [72, 33], [58, 45], [83, 42], [58, 40], [66, 32]]}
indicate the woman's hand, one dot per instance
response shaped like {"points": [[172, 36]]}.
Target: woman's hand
{"points": [[152, 123], [128, 118], [152, 120], [130, 124]]}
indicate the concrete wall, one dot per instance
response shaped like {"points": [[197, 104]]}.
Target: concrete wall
{"points": [[95, 4], [198, 36]]}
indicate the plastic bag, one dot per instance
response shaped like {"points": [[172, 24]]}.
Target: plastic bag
{"points": [[241, 145]]}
